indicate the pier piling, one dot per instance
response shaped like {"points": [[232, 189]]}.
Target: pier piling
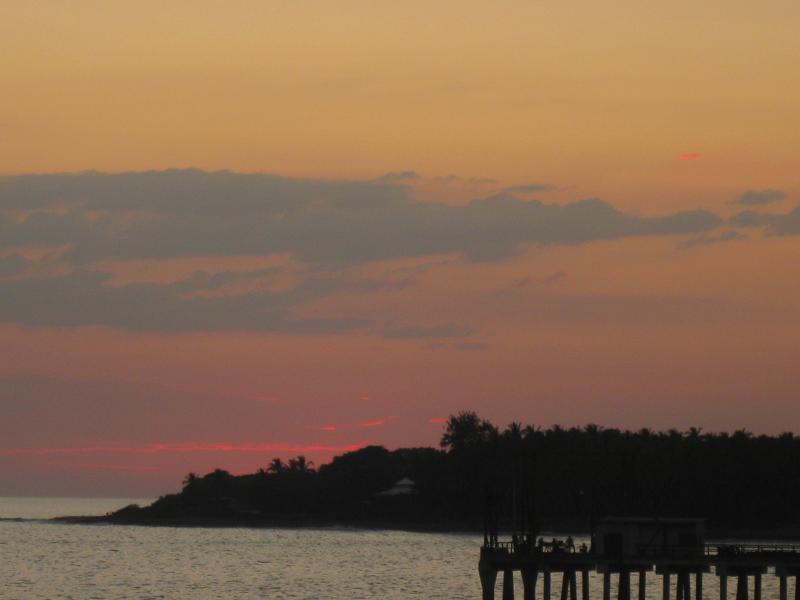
{"points": [[585, 582], [624, 587], [741, 587], [642, 585], [508, 584], [686, 585], [488, 579], [529, 577], [546, 586], [573, 579]]}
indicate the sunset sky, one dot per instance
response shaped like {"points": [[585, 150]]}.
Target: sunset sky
{"points": [[254, 228]]}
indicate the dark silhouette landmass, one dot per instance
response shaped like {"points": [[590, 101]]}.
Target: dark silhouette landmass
{"points": [[739, 482]]}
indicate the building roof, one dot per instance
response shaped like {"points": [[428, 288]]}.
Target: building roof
{"points": [[400, 488]]}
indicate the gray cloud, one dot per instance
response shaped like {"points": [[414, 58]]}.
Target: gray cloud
{"points": [[706, 239], [421, 268], [467, 346], [635, 308], [529, 281], [554, 277], [530, 188], [13, 264], [328, 225], [758, 197], [399, 176], [750, 218], [452, 178], [472, 346], [195, 213], [774, 223], [447, 330], [786, 224], [86, 298]]}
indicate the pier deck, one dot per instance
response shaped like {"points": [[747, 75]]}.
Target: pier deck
{"points": [[741, 561]]}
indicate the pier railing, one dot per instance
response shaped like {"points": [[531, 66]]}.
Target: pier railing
{"points": [[752, 549], [719, 550], [522, 547]]}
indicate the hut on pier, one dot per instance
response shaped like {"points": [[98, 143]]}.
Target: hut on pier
{"points": [[648, 536]]}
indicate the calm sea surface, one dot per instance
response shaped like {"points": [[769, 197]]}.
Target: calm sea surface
{"points": [[50, 561]]}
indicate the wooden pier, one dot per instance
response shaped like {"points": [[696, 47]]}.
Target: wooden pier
{"points": [[688, 565]]}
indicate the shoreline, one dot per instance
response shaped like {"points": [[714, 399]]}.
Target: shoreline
{"points": [[300, 523], [773, 534]]}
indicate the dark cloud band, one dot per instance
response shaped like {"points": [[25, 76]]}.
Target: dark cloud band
{"points": [[327, 226], [194, 213]]}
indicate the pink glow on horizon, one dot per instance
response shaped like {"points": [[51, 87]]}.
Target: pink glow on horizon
{"points": [[378, 423], [107, 467], [184, 447], [690, 156], [328, 428], [437, 420]]}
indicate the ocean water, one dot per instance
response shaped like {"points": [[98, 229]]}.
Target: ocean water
{"points": [[45, 560]]}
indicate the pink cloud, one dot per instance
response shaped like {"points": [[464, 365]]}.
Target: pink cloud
{"points": [[690, 156], [373, 423], [437, 420]]}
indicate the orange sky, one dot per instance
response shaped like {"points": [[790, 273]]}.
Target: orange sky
{"points": [[624, 322]]}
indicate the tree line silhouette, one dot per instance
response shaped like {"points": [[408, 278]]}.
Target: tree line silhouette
{"points": [[572, 476]]}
